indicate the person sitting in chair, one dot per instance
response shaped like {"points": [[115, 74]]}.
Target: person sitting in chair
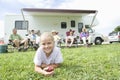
{"points": [[17, 40], [70, 38], [37, 41], [84, 36], [57, 38]]}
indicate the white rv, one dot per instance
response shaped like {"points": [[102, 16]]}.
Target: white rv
{"points": [[48, 19]]}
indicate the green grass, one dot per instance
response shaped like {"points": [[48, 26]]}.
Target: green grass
{"points": [[101, 62]]}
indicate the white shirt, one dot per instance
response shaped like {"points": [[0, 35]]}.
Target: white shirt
{"points": [[37, 39], [56, 38], [55, 57]]}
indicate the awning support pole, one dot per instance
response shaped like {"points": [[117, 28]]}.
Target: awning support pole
{"points": [[23, 17], [93, 18]]}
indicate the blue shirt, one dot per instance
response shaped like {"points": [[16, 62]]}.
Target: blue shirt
{"points": [[84, 34]]}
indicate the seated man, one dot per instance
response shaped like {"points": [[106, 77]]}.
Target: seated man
{"points": [[18, 41], [70, 38]]}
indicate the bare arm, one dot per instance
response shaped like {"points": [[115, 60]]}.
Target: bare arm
{"points": [[38, 69], [54, 65], [43, 65]]}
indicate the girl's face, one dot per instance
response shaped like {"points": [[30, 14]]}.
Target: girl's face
{"points": [[47, 43]]}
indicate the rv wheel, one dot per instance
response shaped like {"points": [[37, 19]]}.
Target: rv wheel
{"points": [[98, 41]]}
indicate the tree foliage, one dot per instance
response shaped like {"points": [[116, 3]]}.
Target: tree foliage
{"points": [[117, 28]]}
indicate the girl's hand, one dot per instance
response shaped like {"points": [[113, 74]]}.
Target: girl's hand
{"points": [[48, 69], [46, 73]]}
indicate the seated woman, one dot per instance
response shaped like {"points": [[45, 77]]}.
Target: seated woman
{"points": [[57, 38], [37, 41], [84, 36], [70, 38]]}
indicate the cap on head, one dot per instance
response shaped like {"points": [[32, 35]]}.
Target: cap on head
{"points": [[53, 31]]}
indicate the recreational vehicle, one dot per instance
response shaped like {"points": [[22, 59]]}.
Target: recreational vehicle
{"points": [[60, 20]]}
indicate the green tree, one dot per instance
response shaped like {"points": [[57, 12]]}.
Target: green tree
{"points": [[117, 28]]}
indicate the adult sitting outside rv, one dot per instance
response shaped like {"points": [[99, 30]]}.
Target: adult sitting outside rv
{"points": [[37, 40], [17, 40], [57, 38], [33, 38], [84, 36], [70, 38]]}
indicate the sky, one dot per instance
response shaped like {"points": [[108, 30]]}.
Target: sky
{"points": [[108, 10]]}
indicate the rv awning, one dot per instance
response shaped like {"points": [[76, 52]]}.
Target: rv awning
{"points": [[38, 11], [57, 12]]}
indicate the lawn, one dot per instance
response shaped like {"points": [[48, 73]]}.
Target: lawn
{"points": [[98, 62]]}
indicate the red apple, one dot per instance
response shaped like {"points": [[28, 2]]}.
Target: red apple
{"points": [[50, 68]]}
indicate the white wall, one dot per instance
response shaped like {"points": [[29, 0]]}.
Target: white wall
{"points": [[48, 23], [1, 29], [10, 24]]}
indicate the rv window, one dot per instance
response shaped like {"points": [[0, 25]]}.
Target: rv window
{"points": [[87, 26], [80, 26], [21, 25], [63, 25], [72, 23]]}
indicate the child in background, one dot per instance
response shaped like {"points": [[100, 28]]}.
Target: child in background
{"points": [[48, 56]]}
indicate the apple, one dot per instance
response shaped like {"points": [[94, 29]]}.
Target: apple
{"points": [[49, 69]]}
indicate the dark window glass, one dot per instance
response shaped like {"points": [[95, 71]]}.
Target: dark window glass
{"points": [[87, 26], [21, 25], [80, 26], [72, 23], [63, 25]]}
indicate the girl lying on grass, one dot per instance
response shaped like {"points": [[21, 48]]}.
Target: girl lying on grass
{"points": [[48, 56]]}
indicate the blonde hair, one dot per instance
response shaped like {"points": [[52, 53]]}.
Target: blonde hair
{"points": [[83, 29], [47, 35]]}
